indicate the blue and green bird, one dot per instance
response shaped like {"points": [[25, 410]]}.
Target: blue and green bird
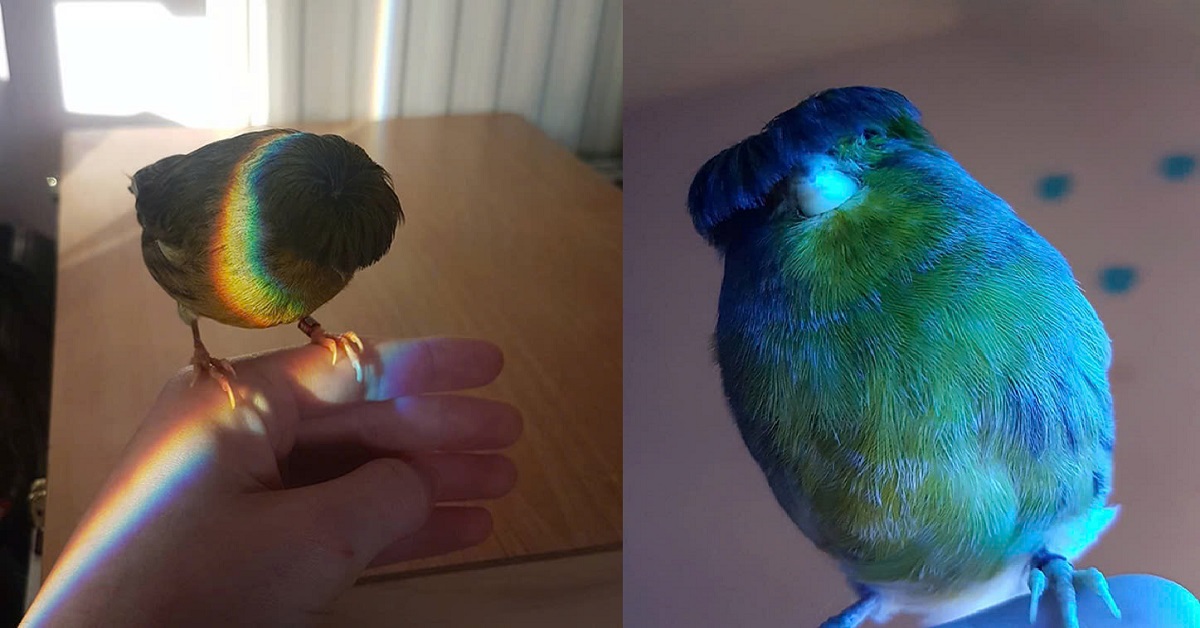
{"points": [[915, 369]]}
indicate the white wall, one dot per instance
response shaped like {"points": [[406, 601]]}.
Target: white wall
{"points": [[705, 543], [556, 62], [228, 63]]}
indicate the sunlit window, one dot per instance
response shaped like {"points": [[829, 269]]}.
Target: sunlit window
{"points": [[3, 52], [126, 58]]}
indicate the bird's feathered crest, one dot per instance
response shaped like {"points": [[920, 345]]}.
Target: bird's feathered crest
{"points": [[739, 177]]}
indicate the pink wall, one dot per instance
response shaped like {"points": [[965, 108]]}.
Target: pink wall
{"points": [[706, 545]]}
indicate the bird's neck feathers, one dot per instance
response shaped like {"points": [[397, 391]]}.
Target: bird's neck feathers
{"points": [[845, 255]]}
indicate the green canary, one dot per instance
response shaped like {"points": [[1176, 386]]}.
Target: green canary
{"points": [[262, 229], [914, 368]]}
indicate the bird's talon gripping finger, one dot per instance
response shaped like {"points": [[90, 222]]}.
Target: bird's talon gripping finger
{"points": [[347, 343], [220, 370], [857, 613], [353, 337], [328, 343], [228, 391], [1037, 586], [1094, 581], [1062, 574], [1057, 572], [227, 367]]}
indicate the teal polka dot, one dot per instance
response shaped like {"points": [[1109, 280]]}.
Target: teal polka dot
{"points": [[1054, 187], [1118, 279], [1177, 167]]}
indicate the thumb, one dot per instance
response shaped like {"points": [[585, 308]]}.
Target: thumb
{"points": [[359, 514]]}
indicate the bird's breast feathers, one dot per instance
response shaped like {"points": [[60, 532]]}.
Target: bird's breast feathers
{"points": [[932, 436], [243, 291]]}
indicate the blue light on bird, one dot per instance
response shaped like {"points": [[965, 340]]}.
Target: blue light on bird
{"points": [[1054, 187], [1177, 167], [1118, 279]]}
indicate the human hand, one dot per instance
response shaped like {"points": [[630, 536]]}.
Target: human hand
{"points": [[263, 514], [1145, 601]]}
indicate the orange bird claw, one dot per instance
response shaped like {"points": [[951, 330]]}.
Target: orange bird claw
{"points": [[349, 342], [220, 370]]}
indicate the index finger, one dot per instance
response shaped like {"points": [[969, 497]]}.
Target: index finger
{"points": [[274, 391], [390, 369]]}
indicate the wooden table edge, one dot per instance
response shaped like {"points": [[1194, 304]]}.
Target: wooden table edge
{"points": [[489, 564]]}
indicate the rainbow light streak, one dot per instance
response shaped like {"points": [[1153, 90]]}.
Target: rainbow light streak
{"points": [[313, 374], [138, 495], [239, 271], [381, 69]]}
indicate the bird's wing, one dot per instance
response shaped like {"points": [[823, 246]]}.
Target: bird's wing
{"points": [[155, 197], [178, 200], [1056, 417], [179, 197]]}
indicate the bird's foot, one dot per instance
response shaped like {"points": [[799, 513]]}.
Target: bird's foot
{"points": [[348, 341], [1058, 572], [857, 613], [220, 370]]}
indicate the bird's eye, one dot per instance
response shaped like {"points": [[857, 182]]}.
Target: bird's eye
{"points": [[871, 134]]}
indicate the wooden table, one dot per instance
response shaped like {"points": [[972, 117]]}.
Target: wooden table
{"points": [[507, 237]]}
